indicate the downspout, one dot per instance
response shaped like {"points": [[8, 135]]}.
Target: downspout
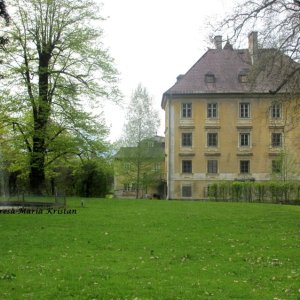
{"points": [[169, 153]]}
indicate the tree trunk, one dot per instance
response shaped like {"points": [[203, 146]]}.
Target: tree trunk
{"points": [[37, 167], [138, 180], [41, 116]]}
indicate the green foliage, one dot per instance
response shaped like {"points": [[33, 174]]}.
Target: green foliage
{"points": [[213, 191], [56, 71], [237, 188], [141, 151], [120, 249], [142, 120], [287, 167], [268, 191], [87, 178], [92, 180]]}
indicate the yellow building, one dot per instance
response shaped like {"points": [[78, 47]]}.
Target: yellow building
{"points": [[139, 171], [227, 119]]}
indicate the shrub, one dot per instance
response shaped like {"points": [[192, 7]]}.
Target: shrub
{"points": [[272, 191]]}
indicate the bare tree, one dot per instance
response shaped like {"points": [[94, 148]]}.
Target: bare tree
{"points": [[278, 23]]}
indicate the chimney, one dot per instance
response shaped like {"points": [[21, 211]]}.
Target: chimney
{"points": [[253, 45], [218, 41], [179, 77]]}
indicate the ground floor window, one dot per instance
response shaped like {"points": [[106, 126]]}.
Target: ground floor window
{"points": [[186, 191], [186, 166], [212, 166], [276, 166], [276, 139], [245, 166], [129, 187]]}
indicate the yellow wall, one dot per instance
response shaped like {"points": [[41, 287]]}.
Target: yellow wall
{"points": [[120, 180], [228, 125]]}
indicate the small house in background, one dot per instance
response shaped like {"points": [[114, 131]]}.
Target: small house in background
{"points": [[232, 116], [139, 171]]}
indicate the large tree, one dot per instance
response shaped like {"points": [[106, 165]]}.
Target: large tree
{"points": [[278, 23], [4, 15], [54, 65], [140, 154]]}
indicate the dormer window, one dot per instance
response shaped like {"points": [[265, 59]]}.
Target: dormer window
{"points": [[210, 78], [243, 76]]}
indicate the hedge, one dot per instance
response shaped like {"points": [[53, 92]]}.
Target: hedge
{"points": [[268, 191]]}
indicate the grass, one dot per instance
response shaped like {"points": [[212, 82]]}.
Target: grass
{"points": [[127, 249]]}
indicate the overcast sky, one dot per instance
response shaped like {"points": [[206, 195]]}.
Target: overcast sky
{"points": [[152, 42]]}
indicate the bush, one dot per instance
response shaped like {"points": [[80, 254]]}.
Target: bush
{"points": [[272, 191]]}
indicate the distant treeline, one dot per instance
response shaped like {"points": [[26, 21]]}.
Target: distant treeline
{"points": [[88, 179]]}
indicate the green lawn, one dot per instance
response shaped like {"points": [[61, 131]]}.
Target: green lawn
{"points": [[146, 249]]}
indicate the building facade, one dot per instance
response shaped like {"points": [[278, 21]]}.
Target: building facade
{"points": [[224, 122], [139, 172]]}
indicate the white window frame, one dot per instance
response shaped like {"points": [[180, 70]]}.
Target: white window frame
{"points": [[274, 143], [213, 167], [245, 139], [212, 110], [186, 137], [244, 110], [183, 168], [276, 111], [248, 162], [214, 138], [186, 110]]}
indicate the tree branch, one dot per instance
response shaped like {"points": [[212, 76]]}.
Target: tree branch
{"points": [[24, 136]]}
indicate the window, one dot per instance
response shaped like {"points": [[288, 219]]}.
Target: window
{"points": [[212, 109], [276, 139], [212, 166], [276, 166], [126, 187], [186, 139], [156, 167], [244, 166], [150, 144], [212, 139], [186, 191], [244, 139], [244, 110], [243, 78], [210, 78], [186, 166], [186, 110], [276, 111]]}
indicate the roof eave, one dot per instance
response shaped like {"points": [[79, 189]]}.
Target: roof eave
{"points": [[167, 95]]}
